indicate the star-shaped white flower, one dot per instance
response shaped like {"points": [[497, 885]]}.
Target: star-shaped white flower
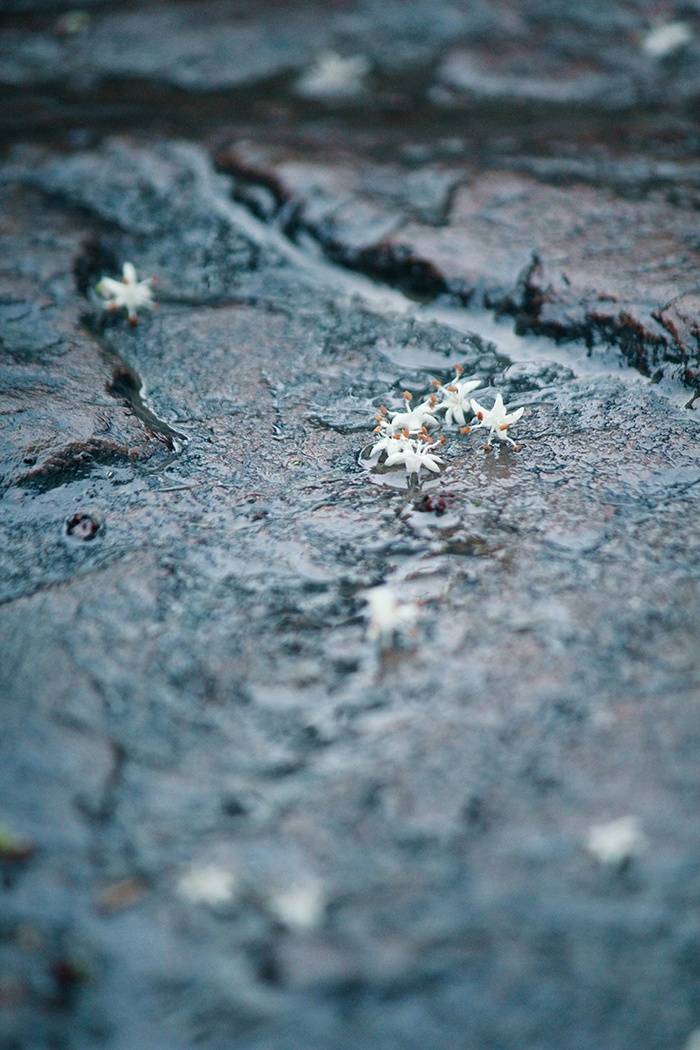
{"points": [[414, 419], [386, 615], [454, 398], [387, 441], [131, 294], [497, 419], [414, 455]]}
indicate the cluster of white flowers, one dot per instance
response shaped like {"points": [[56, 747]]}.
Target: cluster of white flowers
{"points": [[129, 294], [405, 438]]}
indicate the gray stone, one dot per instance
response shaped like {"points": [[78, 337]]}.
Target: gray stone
{"points": [[226, 817]]}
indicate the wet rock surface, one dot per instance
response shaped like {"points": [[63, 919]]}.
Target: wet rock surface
{"points": [[573, 261], [226, 818]]}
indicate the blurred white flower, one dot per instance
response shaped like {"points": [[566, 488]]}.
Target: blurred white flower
{"points": [[300, 905], [693, 1041], [334, 76], [130, 293], [616, 841], [386, 615], [666, 37], [208, 884]]}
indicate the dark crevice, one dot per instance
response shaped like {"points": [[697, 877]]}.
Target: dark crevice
{"points": [[101, 810], [399, 267], [394, 265], [126, 386]]}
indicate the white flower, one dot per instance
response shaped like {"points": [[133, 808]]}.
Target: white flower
{"points": [[666, 37], [388, 441], [616, 841], [130, 293], [387, 616], [299, 906], [208, 884], [497, 419], [333, 76], [455, 398], [414, 419], [693, 1042], [414, 455]]}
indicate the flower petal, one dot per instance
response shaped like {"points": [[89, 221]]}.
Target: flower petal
{"points": [[467, 387], [108, 286]]}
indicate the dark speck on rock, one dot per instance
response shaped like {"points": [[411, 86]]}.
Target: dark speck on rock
{"points": [[83, 526], [435, 502]]}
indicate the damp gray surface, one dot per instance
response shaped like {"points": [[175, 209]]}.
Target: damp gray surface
{"points": [[226, 819]]}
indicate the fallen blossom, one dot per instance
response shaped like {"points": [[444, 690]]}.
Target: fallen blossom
{"points": [[299, 906], [693, 1041], [209, 884], [454, 398], [387, 615], [414, 419], [388, 441], [414, 455], [617, 841], [666, 38], [334, 76], [496, 419], [131, 294]]}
